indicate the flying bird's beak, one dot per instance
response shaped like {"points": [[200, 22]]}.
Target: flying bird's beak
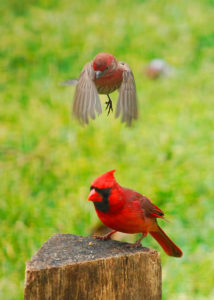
{"points": [[92, 195], [98, 74]]}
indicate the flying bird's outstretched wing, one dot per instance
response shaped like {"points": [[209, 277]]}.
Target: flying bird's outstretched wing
{"points": [[69, 82], [127, 101], [86, 99]]}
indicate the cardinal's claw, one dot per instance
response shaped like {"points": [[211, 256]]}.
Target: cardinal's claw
{"points": [[105, 237], [135, 245], [102, 238]]}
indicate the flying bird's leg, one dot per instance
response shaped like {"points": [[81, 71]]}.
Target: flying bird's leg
{"points": [[109, 105], [105, 237], [137, 244]]}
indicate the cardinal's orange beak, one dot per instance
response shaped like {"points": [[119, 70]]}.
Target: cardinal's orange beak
{"points": [[92, 195]]}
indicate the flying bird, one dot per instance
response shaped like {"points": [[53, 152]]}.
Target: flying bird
{"points": [[125, 210], [104, 75]]}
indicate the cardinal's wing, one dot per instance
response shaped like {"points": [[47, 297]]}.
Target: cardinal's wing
{"points": [[86, 99], [127, 101], [150, 209]]}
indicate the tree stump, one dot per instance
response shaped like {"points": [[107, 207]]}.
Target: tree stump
{"points": [[70, 267]]}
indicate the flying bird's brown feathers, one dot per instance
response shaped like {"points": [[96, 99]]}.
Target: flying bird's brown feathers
{"points": [[127, 101], [86, 99]]}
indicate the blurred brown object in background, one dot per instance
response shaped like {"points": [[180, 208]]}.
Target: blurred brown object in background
{"points": [[158, 68]]}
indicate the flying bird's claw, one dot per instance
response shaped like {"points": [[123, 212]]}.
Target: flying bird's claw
{"points": [[109, 105]]}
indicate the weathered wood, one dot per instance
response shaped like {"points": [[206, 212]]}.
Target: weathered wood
{"points": [[70, 267]]}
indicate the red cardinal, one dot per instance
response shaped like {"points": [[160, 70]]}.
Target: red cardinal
{"points": [[104, 75], [127, 211]]}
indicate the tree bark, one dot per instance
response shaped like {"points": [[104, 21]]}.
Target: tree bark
{"points": [[70, 267]]}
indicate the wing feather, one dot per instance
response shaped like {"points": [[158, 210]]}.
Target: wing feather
{"points": [[127, 101], [150, 209], [86, 98], [69, 82], [90, 106], [98, 104]]}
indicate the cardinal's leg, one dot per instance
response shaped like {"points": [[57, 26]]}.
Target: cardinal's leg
{"points": [[109, 105], [105, 237], [137, 244]]}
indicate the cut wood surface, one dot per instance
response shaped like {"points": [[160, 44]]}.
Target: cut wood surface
{"points": [[73, 267]]}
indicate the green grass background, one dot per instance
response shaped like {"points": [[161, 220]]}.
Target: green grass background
{"points": [[47, 160]]}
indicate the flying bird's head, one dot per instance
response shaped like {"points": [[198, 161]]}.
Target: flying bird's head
{"points": [[103, 64], [104, 192]]}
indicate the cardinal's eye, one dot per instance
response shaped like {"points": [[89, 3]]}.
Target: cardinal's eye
{"points": [[104, 192], [94, 188]]}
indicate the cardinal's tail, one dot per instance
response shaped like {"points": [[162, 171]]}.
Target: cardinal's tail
{"points": [[166, 243]]}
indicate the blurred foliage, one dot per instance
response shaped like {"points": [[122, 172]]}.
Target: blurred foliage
{"points": [[47, 160]]}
